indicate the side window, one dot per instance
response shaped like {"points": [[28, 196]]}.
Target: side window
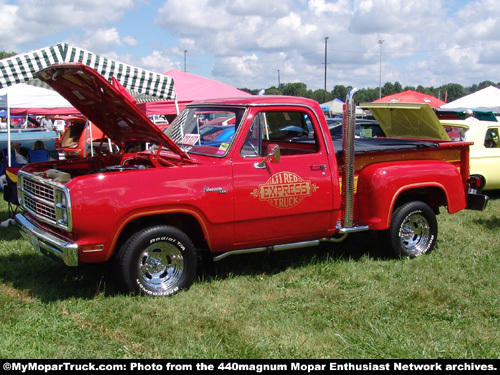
{"points": [[252, 147], [492, 138], [291, 130]]}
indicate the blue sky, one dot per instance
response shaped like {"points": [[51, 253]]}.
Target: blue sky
{"points": [[244, 43]]}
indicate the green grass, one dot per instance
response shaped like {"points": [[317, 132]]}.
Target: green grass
{"points": [[343, 300]]}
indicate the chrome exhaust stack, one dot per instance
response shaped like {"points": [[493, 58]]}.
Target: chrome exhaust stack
{"points": [[348, 128], [349, 132]]}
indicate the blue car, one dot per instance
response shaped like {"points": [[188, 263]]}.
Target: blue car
{"points": [[214, 135]]}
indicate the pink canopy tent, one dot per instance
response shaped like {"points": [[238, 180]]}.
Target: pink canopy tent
{"points": [[410, 96], [189, 88]]}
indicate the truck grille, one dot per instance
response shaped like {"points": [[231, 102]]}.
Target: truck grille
{"points": [[40, 208], [47, 201]]}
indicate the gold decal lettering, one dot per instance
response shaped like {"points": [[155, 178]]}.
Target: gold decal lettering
{"points": [[284, 190]]}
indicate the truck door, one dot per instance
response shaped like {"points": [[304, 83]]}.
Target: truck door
{"points": [[290, 199]]}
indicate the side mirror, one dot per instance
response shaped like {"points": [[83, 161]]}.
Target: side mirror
{"points": [[273, 155]]}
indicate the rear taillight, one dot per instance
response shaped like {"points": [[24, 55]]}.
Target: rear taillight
{"points": [[475, 184]]}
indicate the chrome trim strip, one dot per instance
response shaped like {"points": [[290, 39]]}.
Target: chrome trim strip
{"points": [[289, 246]]}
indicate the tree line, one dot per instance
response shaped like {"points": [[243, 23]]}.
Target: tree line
{"points": [[450, 91]]}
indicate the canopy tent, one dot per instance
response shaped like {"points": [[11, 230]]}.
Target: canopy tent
{"points": [[336, 107], [487, 99], [144, 84], [333, 107], [23, 99], [190, 87], [411, 96]]}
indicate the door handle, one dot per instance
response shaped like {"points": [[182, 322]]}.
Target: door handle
{"points": [[318, 167]]}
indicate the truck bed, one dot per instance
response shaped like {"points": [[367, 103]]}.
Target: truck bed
{"points": [[368, 145]]}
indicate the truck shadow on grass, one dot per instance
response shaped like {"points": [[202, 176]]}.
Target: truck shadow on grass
{"points": [[353, 248], [49, 280]]}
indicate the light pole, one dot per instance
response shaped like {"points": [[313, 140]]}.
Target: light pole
{"points": [[326, 54], [185, 53], [380, 41]]}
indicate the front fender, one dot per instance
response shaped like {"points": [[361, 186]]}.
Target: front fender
{"points": [[380, 185]]}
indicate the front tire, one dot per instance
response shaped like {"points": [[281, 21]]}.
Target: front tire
{"points": [[156, 261], [413, 230]]}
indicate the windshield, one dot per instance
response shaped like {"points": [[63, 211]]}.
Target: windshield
{"points": [[206, 130]]}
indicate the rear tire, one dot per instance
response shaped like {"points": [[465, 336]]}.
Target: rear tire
{"points": [[157, 261], [413, 230]]}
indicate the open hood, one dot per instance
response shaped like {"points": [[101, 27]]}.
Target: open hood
{"points": [[105, 105], [407, 120]]}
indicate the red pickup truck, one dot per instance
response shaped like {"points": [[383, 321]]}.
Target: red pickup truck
{"points": [[273, 179]]}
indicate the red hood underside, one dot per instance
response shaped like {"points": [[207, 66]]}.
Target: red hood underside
{"points": [[105, 105]]}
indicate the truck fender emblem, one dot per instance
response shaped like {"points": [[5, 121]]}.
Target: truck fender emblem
{"points": [[217, 189], [284, 190]]}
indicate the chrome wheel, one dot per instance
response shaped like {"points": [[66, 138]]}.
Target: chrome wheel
{"points": [[157, 261], [160, 266], [415, 234], [413, 230]]}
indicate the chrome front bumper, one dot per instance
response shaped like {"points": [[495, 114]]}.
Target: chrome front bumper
{"points": [[47, 243]]}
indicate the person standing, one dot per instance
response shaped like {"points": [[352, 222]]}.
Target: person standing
{"points": [[46, 123], [469, 115]]}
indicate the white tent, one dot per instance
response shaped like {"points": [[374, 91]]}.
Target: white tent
{"points": [[23, 99], [336, 107], [487, 99], [32, 100]]}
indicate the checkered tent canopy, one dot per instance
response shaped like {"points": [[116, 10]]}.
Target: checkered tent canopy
{"points": [[144, 85]]}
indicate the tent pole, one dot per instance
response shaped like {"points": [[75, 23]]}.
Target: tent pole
{"points": [[176, 106], [9, 147]]}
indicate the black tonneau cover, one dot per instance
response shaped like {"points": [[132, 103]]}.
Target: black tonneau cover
{"points": [[365, 145]]}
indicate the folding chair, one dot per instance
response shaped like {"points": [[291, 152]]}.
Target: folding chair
{"points": [[2, 171], [35, 156], [13, 158], [10, 190]]}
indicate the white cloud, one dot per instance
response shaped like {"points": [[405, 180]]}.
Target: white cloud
{"points": [[245, 42], [98, 40], [158, 62], [30, 21]]}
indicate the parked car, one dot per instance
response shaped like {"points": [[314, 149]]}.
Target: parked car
{"points": [[364, 128], [485, 153]]}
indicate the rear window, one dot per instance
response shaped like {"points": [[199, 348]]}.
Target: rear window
{"points": [[456, 133]]}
